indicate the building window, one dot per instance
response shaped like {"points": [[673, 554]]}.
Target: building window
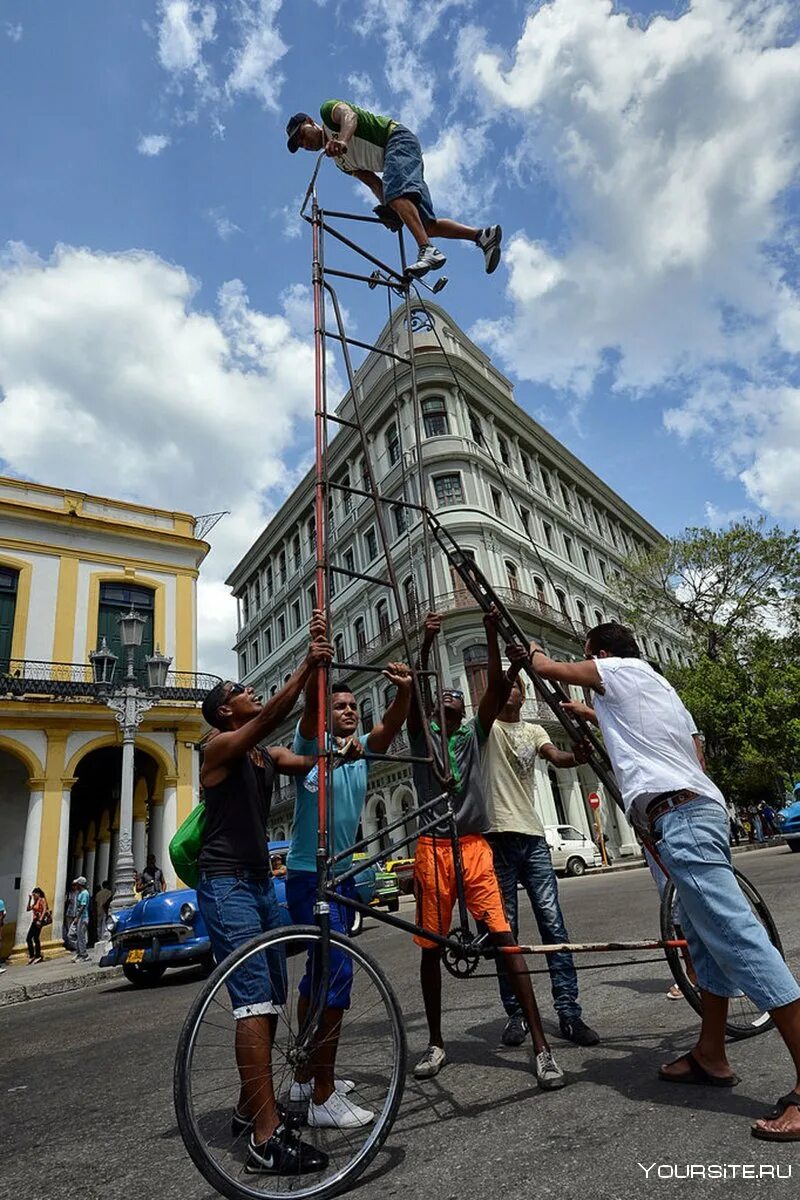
{"points": [[338, 645], [562, 602], [296, 551], [525, 517], [371, 544], [365, 484], [242, 663], [115, 600], [603, 571], [297, 617], [410, 594], [268, 640], [568, 548], [361, 634], [548, 534], [367, 717], [511, 575], [657, 649], [382, 613], [393, 444], [526, 466], [546, 484], [389, 693], [273, 689], [476, 665], [598, 520], [282, 567], [311, 534], [558, 798], [502, 446], [311, 596], [255, 655], [565, 497], [587, 560], [434, 417], [582, 510], [268, 588], [448, 489], [598, 616], [497, 502], [475, 428], [400, 516], [245, 606], [350, 559], [582, 614], [540, 592], [257, 593], [281, 629], [347, 499]]}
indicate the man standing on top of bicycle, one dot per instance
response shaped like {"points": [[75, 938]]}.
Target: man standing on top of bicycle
{"points": [[332, 1102], [684, 816], [435, 882]]}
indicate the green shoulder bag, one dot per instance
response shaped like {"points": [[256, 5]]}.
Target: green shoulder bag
{"points": [[184, 849]]}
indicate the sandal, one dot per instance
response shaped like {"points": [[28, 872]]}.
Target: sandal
{"points": [[777, 1135], [698, 1075]]}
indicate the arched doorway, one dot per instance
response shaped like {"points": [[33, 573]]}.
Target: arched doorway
{"points": [[14, 800]]}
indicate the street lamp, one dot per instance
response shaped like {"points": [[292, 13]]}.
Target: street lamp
{"points": [[129, 702]]}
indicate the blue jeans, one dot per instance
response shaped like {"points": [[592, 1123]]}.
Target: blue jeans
{"points": [[301, 896], [729, 946], [237, 908], [524, 858], [404, 172]]}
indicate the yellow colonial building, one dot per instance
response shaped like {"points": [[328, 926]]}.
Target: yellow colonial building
{"points": [[70, 566]]}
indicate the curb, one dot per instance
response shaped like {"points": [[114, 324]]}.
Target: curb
{"points": [[640, 863], [57, 987]]}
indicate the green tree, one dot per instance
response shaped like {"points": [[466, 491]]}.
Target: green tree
{"points": [[721, 585]]}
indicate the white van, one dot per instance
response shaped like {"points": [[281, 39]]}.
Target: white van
{"points": [[571, 850]]}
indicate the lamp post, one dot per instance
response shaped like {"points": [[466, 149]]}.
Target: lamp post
{"points": [[129, 702]]}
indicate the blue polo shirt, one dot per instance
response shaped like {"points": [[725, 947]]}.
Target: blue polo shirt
{"points": [[82, 905], [349, 794]]}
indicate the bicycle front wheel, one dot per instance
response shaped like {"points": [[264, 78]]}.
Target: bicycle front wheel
{"points": [[745, 1018], [371, 1056]]}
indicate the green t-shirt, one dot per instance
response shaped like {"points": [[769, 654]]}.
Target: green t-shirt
{"points": [[366, 148], [464, 751]]}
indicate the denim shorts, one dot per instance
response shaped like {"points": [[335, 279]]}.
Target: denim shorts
{"points": [[301, 896], [237, 908], [404, 173], [730, 948]]}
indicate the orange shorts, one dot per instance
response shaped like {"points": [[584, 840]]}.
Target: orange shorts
{"points": [[435, 886]]}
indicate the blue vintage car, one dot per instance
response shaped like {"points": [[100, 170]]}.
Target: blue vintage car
{"points": [[168, 930], [788, 821]]}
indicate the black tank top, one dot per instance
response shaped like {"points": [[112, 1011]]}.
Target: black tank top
{"points": [[237, 811]]}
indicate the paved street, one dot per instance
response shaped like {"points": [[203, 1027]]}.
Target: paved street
{"points": [[86, 1081]]}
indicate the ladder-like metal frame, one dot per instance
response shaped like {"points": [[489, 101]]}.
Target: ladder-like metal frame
{"points": [[433, 532]]}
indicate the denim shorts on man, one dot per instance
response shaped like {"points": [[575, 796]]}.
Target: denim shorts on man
{"points": [[301, 896], [237, 908], [730, 949], [404, 173]]}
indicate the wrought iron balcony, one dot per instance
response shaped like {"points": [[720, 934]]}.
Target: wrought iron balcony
{"points": [[23, 678]]}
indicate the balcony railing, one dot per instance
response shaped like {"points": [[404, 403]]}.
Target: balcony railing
{"points": [[21, 678], [448, 601]]}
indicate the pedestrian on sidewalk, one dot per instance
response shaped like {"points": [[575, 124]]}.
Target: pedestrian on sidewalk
{"points": [[387, 157], [666, 792], [522, 856], [37, 907], [81, 921], [101, 902], [152, 879]]}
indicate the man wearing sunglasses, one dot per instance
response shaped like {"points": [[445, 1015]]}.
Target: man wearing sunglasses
{"points": [[236, 895], [435, 883], [332, 1103]]}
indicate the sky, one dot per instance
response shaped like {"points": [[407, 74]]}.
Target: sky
{"points": [[155, 314]]}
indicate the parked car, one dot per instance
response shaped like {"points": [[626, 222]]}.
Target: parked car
{"points": [[403, 869], [787, 822], [572, 851], [168, 930], [386, 889]]}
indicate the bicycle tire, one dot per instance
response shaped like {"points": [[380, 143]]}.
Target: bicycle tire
{"points": [[742, 1022], [295, 941]]}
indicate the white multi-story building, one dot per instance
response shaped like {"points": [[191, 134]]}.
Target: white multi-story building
{"points": [[547, 533]]}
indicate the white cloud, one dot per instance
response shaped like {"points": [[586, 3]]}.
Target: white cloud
{"points": [[185, 26], [669, 149], [152, 144], [452, 166], [261, 49], [13, 31], [224, 226], [113, 381]]}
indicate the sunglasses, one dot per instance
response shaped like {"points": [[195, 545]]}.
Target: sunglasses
{"points": [[236, 689], [454, 693]]}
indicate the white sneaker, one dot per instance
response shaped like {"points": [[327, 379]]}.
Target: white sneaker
{"points": [[430, 259], [302, 1091], [3, 970], [548, 1072], [488, 240], [338, 1113], [431, 1063]]}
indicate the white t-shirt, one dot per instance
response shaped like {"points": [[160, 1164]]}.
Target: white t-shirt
{"points": [[509, 776], [648, 734]]}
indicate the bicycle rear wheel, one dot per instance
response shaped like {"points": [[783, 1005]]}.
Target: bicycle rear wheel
{"points": [[371, 1054], [745, 1019]]}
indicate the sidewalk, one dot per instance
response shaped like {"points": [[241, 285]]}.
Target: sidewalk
{"points": [[634, 864], [21, 982]]}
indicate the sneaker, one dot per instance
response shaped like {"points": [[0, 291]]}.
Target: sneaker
{"points": [[431, 1063], [488, 240], [302, 1091], [577, 1031], [430, 259], [337, 1112], [515, 1032], [240, 1124], [3, 970], [548, 1073], [283, 1154]]}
